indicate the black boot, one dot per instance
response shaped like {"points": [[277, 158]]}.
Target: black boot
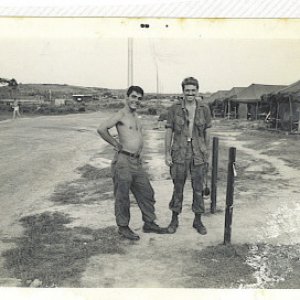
{"points": [[153, 227], [198, 225], [127, 233], [174, 223]]}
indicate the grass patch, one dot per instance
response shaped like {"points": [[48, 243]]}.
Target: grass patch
{"points": [[91, 173], [276, 266], [54, 254], [219, 267], [94, 185], [4, 115]]}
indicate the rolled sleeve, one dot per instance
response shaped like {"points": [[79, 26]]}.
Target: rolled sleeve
{"points": [[208, 117], [170, 119]]}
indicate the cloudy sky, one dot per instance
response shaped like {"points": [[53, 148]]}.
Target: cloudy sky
{"points": [[95, 54]]}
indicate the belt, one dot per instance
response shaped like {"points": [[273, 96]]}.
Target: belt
{"points": [[134, 155]]}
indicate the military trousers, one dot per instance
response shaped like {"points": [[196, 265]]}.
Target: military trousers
{"points": [[129, 175], [179, 173]]}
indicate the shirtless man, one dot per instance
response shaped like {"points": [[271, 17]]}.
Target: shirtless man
{"points": [[128, 174], [16, 107]]}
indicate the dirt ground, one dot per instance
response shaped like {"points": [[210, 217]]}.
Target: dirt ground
{"points": [[57, 225]]}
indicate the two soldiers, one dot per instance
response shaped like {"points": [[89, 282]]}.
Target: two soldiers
{"points": [[185, 151]]}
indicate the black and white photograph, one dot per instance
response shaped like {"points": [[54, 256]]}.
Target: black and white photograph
{"points": [[149, 153]]}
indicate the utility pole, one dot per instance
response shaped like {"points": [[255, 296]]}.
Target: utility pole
{"points": [[130, 62], [157, 82], [157, 87]]}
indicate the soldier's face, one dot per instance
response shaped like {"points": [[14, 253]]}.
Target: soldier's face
{"points": [[189, 92], [133, 100]]}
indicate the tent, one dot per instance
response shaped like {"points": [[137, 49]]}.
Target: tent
{"points": [[249, 99], [216, 103], [284, 107], [230, 106], [293, 89]]}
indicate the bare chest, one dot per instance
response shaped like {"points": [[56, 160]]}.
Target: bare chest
{"points": [[191, 115], [130, 124]]}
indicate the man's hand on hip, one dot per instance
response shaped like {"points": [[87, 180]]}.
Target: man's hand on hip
{"points": [[168, 159]]}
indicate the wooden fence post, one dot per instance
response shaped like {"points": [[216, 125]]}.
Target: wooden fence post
{"points": [[229, 195], [214, 175]]}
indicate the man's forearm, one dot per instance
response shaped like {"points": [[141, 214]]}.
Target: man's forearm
{"points": [[168, 141], [104, 133], [207, 139]]}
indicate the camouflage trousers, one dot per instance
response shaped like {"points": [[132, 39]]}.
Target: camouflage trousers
{"points": [[179, 173]]}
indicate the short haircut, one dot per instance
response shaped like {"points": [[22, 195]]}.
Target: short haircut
{"points": [[190, 81], [135, 88]]}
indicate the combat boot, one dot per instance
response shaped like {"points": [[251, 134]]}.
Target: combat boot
{"points": [[174, 223], [198, 225], [153, 227], [127, 233]]}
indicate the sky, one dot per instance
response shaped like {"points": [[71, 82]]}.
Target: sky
{"points": [[100, 60]]}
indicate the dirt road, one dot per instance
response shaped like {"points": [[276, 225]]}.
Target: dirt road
{"points": [[35, 155], [38, 154]]}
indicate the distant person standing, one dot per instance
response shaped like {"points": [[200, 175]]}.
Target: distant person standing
{"points": [[186, 151], [16, 109], [127, 171]]}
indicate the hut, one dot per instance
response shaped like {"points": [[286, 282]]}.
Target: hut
{"points": [[59, 102], [249, 100], [81, 98], [216, 103], [284, 108], [231, 106]]}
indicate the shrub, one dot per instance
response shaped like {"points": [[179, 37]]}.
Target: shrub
{"points": [[114, 105], [152, 111]]}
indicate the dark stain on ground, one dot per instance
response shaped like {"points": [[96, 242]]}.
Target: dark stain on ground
{"points": [[54, 254]]}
